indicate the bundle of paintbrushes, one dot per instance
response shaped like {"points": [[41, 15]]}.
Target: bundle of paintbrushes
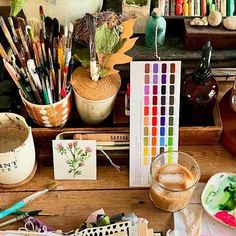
{"points": [[40, 65]]}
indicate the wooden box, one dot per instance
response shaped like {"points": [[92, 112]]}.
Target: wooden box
{"points": [[220, 38], [195, 135]]}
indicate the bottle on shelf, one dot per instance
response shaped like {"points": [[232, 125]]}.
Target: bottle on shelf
{"points": [[199, 92], [155, 30]]}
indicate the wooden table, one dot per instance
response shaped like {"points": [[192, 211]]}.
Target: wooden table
{"points": [[73, 201]]}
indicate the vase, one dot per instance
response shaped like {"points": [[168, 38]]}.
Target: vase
{"points": [[155, 30], [61, 9], [94, 99]]}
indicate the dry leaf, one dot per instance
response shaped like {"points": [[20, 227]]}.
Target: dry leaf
{"points": [[108, 61], [128, 26]]}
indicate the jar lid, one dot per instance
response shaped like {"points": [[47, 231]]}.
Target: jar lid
{"points": [[104, 88]]}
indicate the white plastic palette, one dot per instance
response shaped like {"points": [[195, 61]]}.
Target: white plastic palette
{"points": [[218, 198]]}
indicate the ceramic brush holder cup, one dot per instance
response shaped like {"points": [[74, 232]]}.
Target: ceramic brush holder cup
{"points": [[17, 152], [52, 115], [94, 100]]}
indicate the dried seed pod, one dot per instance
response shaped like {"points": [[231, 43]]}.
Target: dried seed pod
{"points": [[81, 29]]}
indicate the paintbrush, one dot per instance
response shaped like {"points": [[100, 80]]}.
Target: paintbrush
{"points": [[10, 41], [18, 81], [27, 200], [41, 213], [42, 21], [20, 217], [67, 60], [91, 22], [3, 53], [21, 36]]}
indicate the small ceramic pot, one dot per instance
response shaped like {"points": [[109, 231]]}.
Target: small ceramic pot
{"points": [[94, 112], [94, 99], [53, 115], [17, 152]]}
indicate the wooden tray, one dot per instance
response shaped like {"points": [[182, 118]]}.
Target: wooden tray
{"points": [[198, 135], [220, 38], [118, 122]]}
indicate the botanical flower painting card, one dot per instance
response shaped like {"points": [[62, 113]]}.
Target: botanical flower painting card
{"points": [[75, 159]]}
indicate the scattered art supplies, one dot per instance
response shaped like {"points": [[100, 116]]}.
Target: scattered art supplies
{"points": [[17, 151], [97, 223], [27, 200], [154, 114], [40, 64]]}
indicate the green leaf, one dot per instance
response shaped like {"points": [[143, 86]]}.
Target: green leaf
{"points": [[118, 46], [106, 39], [16, 6], [82, 55]]}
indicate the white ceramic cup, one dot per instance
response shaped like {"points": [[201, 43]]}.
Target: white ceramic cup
{"points": [[17, 152]]}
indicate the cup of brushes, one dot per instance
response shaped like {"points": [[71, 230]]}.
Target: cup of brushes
{"points": [[40, 66]]}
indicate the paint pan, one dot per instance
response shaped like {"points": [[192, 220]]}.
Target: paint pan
{"points": [[17, 152]]}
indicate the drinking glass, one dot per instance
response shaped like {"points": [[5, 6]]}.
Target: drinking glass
{"points": [[173, 177]]}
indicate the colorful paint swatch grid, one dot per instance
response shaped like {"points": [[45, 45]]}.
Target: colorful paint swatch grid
{"points": [[154, 114]]}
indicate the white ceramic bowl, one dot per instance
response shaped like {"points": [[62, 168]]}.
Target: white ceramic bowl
{"points": [[61, 9]]}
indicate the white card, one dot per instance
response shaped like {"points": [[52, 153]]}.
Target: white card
{"points": [[75, 159], [154, 114]]}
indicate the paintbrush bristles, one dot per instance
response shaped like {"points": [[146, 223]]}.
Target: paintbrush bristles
{"points": [[91, 23], [52, 185]]}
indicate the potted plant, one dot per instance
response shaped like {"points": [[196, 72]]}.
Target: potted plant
{"points": [[96, 83]]}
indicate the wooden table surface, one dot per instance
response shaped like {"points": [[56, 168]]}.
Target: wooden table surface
{"points": [[73, 201]]}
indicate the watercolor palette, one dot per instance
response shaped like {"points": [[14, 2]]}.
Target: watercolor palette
{"points": [[218, 198], [154, 114]]}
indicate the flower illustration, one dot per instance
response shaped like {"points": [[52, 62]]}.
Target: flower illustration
{"points": [[75, 156]]}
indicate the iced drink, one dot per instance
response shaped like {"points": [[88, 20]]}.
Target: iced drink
{"points": [[172, 184]]}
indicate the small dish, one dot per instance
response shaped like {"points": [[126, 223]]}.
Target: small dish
{"points": [[219, 198]]}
